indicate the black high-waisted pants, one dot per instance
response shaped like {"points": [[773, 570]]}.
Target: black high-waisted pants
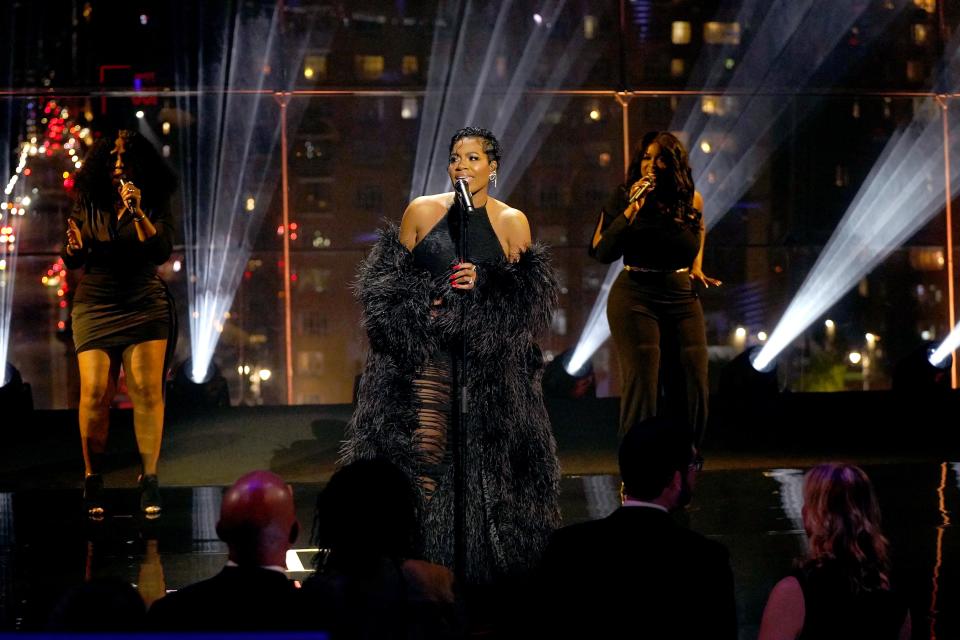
{"points": [[657, 326]]}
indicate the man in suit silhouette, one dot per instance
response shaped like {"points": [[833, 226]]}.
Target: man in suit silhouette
{"points": [[637, 573], [252, 593]]}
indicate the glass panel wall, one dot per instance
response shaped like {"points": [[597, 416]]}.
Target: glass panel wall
{"points": [[780, 168]]}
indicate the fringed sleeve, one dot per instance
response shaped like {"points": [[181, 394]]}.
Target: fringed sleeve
{"points": [[395, 297]]}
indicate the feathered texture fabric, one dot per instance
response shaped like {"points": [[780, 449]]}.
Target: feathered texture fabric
{"points": [[511, 479]]}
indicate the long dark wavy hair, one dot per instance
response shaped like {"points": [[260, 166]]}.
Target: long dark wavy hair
{"points": [[145, 165], [842, 518], [674, 188]]}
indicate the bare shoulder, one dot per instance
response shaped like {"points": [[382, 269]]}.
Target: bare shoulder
{"points": [[420, 216], [429, 206], [788, 589], [512, 226], [697, 201], [509, 217], [784, 612]]}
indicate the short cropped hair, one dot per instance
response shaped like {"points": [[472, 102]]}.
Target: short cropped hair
{"points": [[491, 146]]}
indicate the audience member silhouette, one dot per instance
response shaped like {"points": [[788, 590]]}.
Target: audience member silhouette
{"points": [[842, 589], [102, 605], [259, 524], [637, 573], [368, 585]]}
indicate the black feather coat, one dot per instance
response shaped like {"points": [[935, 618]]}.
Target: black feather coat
{"points": [[512, 474]]}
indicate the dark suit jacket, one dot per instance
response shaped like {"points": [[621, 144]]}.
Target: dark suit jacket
{"points": [[236, 599], [637, 574]]}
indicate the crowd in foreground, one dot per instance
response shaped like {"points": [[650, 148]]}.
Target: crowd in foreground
{"points": [[635, 573]]}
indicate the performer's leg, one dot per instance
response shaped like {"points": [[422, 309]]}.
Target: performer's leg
{"points": [[691, 332], [143, 365], [636, 335], [98, 377], [432, 390]]}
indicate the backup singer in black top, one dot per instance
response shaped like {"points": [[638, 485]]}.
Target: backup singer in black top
{"points": [[122, 313], [654, 312]]}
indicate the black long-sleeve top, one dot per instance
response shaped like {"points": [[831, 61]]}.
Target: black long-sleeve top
{"points": [[117, 264], [661, 238]]}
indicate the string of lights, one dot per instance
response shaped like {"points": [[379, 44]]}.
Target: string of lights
{"points": [[61, 138]]}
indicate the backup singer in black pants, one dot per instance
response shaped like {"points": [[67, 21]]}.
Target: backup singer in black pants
{"points": [[654, 312]]}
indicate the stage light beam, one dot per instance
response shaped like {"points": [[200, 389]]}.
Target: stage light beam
{"points": [[228, 162], [904, 191], [792, 41], [941, 354]]}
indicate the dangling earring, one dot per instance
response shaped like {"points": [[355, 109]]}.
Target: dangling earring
{"points": [[493, 178]]}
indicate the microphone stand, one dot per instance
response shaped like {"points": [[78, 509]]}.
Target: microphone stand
{"points": [[459, 393]]}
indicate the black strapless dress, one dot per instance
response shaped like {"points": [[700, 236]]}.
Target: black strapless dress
{"points": [[437, 253], [120, 299]]}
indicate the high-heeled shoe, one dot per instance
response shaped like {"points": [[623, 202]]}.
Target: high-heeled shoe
{"points": [[150, 495], [93, 496]]}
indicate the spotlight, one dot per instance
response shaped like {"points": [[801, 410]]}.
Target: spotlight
{"points": [[560, 382], [139, 114], [915, 372], [16, 397], [183, 393]]}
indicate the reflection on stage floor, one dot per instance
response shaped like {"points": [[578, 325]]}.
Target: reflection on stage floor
{"points": [[46, 545]]}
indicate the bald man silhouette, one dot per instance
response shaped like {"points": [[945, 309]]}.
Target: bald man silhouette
{"points": [[252, 593]]}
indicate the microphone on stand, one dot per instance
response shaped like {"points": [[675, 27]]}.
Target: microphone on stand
{"points": [[647, 185], [462, 189]]}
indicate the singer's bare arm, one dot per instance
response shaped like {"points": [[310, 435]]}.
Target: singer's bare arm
{"points": [[514, 233], [696, 269], [420, 217]]}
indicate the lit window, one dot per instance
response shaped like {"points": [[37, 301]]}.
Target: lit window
{"points": [[590, 27], [678, 66], [409, 108], [717, 105], [680, 33], [410, 65], [915, 71], [921, 34], [930, 6], [315, 68], [721, 32], [841, 176], [368, 67]]}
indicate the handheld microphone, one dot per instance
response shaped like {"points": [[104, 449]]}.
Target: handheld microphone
{"points": [[462, 189], [647, 185], [130, 203]]}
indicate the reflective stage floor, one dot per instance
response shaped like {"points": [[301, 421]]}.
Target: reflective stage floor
{"points": [[748, 497]]}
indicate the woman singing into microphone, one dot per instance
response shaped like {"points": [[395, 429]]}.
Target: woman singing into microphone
{"points": [[654, 222], [420, 299], [119, 231]]}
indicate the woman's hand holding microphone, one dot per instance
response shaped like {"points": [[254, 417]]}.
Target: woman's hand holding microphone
{"points": [[130, 196], [74, 239], [639, 191]]}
